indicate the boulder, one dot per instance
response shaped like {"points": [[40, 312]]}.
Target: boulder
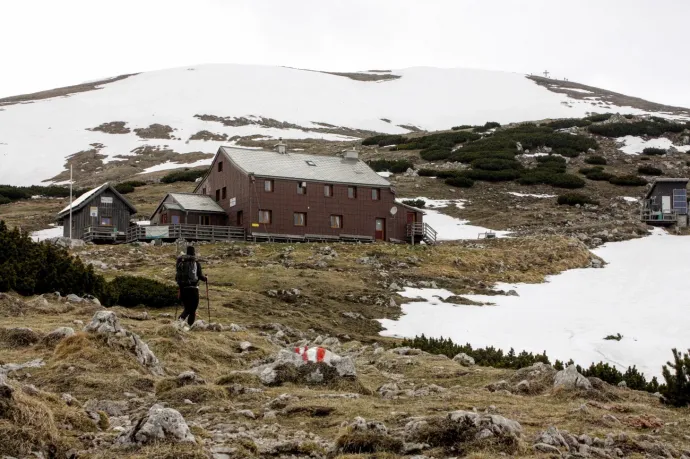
{"points": [[159, 424], [66, 242], [189, 378], [464, 426], [552, 437], [299, 366], [406, 351], [104, 322], [464, 359], [570, 379], [72, 298], [9, 367], [107, 323], [57, 335]]}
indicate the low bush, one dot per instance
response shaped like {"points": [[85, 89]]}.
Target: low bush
{"points": [[492, 357], [616, 337], [487, 126], [555, 179], [397, 166], [469, 156], [184, 176], [649, 170], [461, 127], [32, 268], [435, 153], [600, 160], [599, 176], [637, 128], [130, 291], [628, 180], [496, 164], [459, 182], [418, 203], [383, 140], [443, 139], [129, 186], [573, 199], [427, 172], [629, 116], [489, 357], [492, 175], [650, 151], [676, 391], [567, 123], [4, 200], [567, 152], [596, 117], [11, 193], [368, 443]]}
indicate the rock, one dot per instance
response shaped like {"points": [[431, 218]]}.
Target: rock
{"points": [[92, 299], [512, 293], [570, 379], [596, 263], [552, 437], [523, 386], [160, 424], [72, 298], [104, 322], [389, 390], [30, 389], [290, 366], [69, 399], [464, 359], [245, 346], [544, 448], [190, 378], [66, 242], [249, 414], [107, 323], [623, 384], [236, 328], [354, 315], [57, 335], [406, 351], [345, 366], [597, 383], [5, 389], [201, 325], [9, 367]]}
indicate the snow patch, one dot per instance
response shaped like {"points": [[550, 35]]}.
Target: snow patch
{"points": [[569, 315], [634, 145], [527, 195], [169, 165], [629, 199], [385, 174], [47, 233]]}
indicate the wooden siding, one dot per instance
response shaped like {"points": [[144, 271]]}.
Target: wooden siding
{"points": [[665, 189], [118, 211], [359, 214]]}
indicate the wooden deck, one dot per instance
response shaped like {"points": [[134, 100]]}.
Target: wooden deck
{"points": [[418, 232], [188, 232]]}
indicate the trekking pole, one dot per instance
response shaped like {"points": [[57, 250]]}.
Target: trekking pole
{"points": [[208, 302]]}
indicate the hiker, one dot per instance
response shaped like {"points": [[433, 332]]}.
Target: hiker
{"points": [[188, 276]]}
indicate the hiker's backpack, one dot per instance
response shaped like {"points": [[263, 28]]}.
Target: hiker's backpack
{"points": [[186, 275]]}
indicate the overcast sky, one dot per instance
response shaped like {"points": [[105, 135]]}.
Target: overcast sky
{"points": [[637, 47]]}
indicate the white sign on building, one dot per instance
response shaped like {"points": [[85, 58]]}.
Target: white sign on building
{"points": [[233, 202]]}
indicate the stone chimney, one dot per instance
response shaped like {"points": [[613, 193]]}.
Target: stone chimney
{"points": [[281, 147], [352, 153]]}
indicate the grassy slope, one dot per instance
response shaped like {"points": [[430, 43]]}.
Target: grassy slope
{"points": [[88, 369]]}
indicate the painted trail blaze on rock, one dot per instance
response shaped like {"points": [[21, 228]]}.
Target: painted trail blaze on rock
{"points": [[314, 354]]}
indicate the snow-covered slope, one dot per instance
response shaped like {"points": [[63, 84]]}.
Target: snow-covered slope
{"points": [[37, 136]]}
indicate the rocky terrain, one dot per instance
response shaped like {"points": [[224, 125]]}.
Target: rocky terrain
{"points": [[80, 380]]}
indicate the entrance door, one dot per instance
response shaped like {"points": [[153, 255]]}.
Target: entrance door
{"points": [[205, 219], [240, 218], [666, 204], [411, 217], [380, 229]]}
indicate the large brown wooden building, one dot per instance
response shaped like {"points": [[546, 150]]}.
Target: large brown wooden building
{"points": [[286, 193]]}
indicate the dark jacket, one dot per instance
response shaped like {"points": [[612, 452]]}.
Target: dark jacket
{"points": [[199, 272]]}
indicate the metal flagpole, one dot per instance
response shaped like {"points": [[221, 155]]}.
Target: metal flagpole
{"points": [[70, 202]]}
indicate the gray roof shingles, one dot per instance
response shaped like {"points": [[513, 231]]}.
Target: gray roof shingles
{"points": [[196, 202], [298, 166]]}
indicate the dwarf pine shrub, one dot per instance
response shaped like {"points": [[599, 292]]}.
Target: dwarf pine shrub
{"points": [[573, 199], [459, 182], [628, 180], [651, 151], [397, 166], [596, 160], [649, 170], [418, 203], [677, 376], [186, 175]]}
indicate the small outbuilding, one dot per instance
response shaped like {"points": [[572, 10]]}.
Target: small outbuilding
{"points": [[188, 209], [666, 202], [99, 214]]}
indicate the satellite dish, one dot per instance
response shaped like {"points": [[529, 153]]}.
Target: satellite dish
{"points": [[394, 210]]}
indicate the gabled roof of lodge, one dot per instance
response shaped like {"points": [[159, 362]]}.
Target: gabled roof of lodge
{"points": [[85, 198], [684, 181], [299, 166], [191, 202]]}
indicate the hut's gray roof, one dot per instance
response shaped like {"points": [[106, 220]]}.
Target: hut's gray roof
{"points": [[298, 166], [86, 197], [190, 202]]}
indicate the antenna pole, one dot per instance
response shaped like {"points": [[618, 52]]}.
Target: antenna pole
{"points": [[70, 201]]}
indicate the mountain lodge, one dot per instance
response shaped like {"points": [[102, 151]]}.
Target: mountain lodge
{"points": [[666, 202]]}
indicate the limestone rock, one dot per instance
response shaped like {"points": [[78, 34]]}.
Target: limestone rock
{"points": [[72, 298], [104, 322], [190, 378], [159, 424], [464, 359], [570, 379]]}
